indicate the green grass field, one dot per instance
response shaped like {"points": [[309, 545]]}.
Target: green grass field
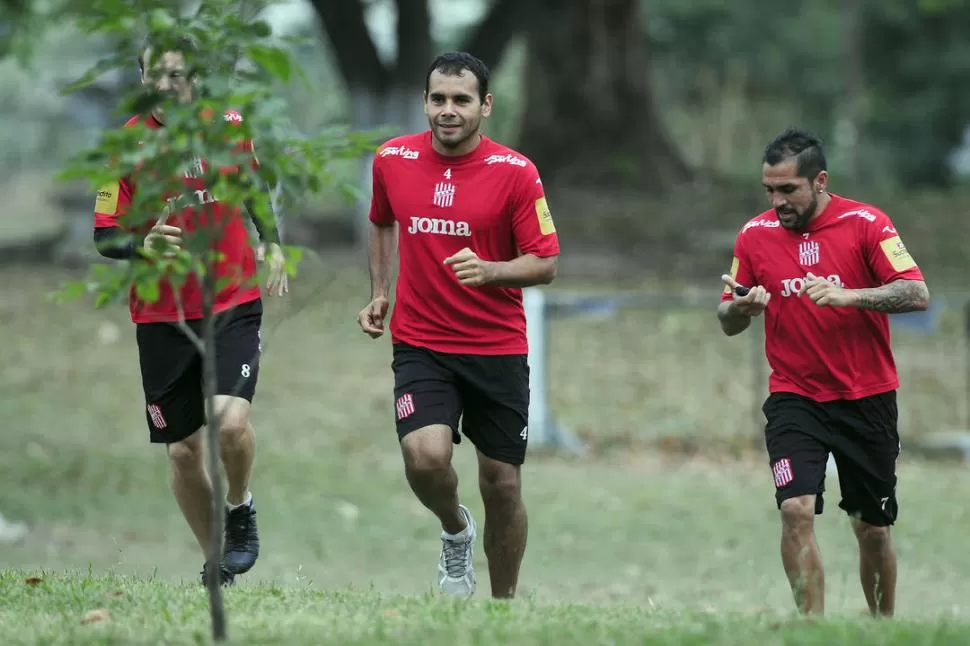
{"points": [[634, 543]]}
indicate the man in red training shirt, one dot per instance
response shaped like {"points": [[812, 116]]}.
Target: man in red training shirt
{"points": [[826, 271], [171, 365], [473, 229]]}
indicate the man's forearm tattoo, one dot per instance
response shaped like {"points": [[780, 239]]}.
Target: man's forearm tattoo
{"points": [[897, 297]]}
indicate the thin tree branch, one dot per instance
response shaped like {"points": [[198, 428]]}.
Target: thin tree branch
{"points": [[213, 429], [184, 326]]}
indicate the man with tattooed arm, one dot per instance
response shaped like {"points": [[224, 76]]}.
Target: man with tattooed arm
{"points": [[826, 271]]}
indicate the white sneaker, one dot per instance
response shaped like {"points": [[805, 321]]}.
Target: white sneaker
{"points": [[456, 576]]}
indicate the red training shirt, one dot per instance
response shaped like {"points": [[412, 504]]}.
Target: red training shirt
{"points": [[238, 264], [489, 200], [824, 353]]}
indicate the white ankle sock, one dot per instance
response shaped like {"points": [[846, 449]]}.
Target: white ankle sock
{"points": [[244, 503], [462, 535]]}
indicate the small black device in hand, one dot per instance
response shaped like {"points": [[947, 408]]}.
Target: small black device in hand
{"points": [[741, 290]]}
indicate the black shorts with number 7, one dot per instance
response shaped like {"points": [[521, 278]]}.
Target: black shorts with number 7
{"points": [[862, 436], [488, 393]]}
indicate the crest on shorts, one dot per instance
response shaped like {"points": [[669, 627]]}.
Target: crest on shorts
{"points": [[155, 413], [782, 472], [404, 406]]}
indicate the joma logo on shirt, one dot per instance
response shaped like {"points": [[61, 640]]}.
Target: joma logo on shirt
{"points": [[791, 286], [203, 196], [439, 227]]}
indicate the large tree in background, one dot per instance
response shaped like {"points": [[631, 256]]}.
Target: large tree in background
{"points": [[389, 94], [590, 118], [917, 64]]}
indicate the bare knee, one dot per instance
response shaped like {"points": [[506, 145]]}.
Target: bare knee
{"points": [[234, 427], [427, 450], [233, 432], [187, 456], [499, 482], [798, 516], [871, 537]]}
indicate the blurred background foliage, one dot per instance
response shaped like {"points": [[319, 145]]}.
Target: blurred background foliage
{"points": [[647, 118]]}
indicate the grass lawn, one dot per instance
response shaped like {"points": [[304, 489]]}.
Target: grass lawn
{"points": [[629, 544]]}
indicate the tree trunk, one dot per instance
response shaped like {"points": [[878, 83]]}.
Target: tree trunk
{"points": [[849, 135], [217, 610], [391, 95], [590, 119]]}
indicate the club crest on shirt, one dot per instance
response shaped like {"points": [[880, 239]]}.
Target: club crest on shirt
{"points": [[444, 195], [808, 253]]}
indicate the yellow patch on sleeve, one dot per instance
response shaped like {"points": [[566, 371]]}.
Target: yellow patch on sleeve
{"points": [[896, 254], [107, 200], [734, 273], [546, 225]]}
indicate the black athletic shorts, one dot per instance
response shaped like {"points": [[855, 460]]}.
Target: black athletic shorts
{"points": [[862, 437], [171, 369], [489, 393]]}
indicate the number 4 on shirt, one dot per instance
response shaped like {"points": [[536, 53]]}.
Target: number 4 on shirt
{"points": [[448, 174]]}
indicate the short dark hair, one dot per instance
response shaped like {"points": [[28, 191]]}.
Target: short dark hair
{"points": [[803, 146], [183, 44], [453, 63]]}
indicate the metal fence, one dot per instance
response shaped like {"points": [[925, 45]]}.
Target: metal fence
{"points": [[639, 367]]}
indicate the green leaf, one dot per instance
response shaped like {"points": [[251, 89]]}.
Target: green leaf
{"points": [[148, 290], [161, 20], [222, 283], [102, 300], [261, 29], [292, 256], [156, 159], [99, 68], [143, 102], [272, 59], [70, 291]]}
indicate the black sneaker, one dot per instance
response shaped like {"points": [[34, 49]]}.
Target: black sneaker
{"points": [[227, 578], [242, 539]]}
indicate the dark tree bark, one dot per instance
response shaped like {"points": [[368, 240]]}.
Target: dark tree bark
{"points": [[590, 118], [490, 37], [387, 94], [357, 59], [391, 95]]}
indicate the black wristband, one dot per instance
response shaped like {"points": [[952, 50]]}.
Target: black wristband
{"points": [[114, 243]]}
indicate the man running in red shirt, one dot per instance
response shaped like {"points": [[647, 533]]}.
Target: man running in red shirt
{"points": [[473, 229], [826, 271], [171, 365]]}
